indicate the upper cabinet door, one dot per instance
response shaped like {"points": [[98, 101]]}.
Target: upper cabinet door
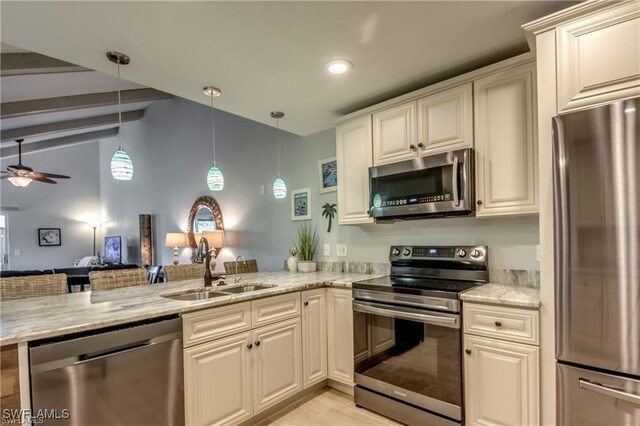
{"points": [[506, 143], [394, 134], [599, 58], [354, 157], [445, 121]]}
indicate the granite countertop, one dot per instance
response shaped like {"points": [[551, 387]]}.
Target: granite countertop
{"points": [[42, 317], [504, 294]]}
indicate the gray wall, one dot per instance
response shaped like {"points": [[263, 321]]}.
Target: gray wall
{"points": [[171, 150], [66, 205]]}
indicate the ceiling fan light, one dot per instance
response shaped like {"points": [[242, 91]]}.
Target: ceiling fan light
{"points": [[121, 165], [279, 188], [215, 179], [20, 181]]}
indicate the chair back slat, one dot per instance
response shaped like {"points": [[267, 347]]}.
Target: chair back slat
{"points": [[183, 272], [244, 267], [12, 288], [108, 280]]}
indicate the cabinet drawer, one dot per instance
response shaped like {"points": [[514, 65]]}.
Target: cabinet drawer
{"points": [[273, 309], [513, 324], [198, 327]]}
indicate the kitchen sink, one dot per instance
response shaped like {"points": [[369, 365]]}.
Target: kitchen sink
{"points": [[246, 288], [198, 294]]}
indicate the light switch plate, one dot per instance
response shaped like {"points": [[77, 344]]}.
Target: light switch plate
{"points": [[326, 249], [261, 189], [17, 252], [341, 250], [538, 253]]}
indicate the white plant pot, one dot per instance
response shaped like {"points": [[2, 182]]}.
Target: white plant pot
{"points": [[307, 266], [292, 264]]}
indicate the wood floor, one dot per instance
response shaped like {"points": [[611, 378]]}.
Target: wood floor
{"points": [[327, 407]]}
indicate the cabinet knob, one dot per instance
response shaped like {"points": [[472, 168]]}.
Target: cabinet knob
{"points": [[413, 147], [498, 324], [421, 145], [479, 202], [250, 345], [258, 343], [467, 351], [306, 303]]}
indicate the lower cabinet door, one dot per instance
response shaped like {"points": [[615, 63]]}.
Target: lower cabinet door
{"points": [[277, 363], [340, 335], [314, 336], [501, 382], [218, 381]]}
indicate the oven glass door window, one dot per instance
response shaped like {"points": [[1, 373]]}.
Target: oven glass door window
{"points": [[416, 187], [411, 355]]}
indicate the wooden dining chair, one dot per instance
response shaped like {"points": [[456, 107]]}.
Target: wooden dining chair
{"points": [[12, 288], [183, 272], [244, 267], [118, 278]]}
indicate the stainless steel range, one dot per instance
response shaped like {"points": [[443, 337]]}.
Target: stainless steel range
{"points": [[408, 335]]}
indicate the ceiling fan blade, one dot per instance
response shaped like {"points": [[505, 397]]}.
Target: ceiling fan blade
{"points": [[18, 167], [53, 175], [42, 179]]}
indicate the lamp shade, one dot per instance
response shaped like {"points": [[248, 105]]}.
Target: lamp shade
{"points": [[214, 238], [279, 188], [215, 179], [121, 165], [175, 239], [19, 181]]}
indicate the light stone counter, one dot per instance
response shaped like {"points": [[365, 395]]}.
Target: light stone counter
{"points": [[42, 317], [503, 294]]}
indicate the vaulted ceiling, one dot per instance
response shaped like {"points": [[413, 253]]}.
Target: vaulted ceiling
{"points": [[266, 56]]}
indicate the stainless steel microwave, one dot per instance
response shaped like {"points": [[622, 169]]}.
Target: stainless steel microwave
{"points": [[433, 186]]}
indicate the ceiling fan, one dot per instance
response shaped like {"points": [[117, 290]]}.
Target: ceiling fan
{"points": [[21, 176]]}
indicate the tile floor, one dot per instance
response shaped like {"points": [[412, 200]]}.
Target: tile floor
{"points": [[326, 407]]}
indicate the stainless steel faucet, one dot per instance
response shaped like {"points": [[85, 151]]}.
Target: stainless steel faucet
{"points": [[203, 248], [235, 277]]}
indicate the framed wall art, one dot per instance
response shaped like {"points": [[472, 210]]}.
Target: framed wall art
{"points": [[328, 174], [49, 237], [301, 204]]}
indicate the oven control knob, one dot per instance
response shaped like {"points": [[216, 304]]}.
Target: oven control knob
{"points": [[476, 253], [406, 252], [395, 252], [462, 253]]}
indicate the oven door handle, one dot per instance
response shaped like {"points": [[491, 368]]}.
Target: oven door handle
{"points": [[408, 314], [454, 182]]}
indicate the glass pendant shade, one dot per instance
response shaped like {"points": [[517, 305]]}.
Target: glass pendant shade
{"points": [[121, 165], [215, 179], [279, 188], [19, 181]]}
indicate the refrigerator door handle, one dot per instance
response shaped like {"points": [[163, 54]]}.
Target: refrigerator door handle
{"points": [[609, 391]]}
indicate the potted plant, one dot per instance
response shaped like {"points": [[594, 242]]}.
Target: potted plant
{"points": [[307, 245], [292, 261]]}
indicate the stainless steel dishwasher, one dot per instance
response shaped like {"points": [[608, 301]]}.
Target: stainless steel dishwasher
{"points": [[126, 375]]}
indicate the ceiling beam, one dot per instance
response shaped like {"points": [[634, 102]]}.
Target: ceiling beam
{"points": [[74, 102], [70, 125], [28, 63], [59, 142]]}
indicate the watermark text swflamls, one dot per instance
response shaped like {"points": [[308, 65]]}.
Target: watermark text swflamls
{"points": [[36, 417]]}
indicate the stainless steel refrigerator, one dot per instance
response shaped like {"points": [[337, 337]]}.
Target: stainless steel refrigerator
{"points": [[596, 156]]}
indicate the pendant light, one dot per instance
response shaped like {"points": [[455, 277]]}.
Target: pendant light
{"points": [[121, 164], [215, 179], [279, 187]]}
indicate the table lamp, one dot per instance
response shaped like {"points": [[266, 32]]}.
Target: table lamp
{"points": [[176, 240], [215, 240]]}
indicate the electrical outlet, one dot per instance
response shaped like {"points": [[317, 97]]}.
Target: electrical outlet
{"points": [[341, 250], [326, 249]]}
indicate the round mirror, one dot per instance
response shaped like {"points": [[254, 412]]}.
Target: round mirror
{"points": [[205, 215]]}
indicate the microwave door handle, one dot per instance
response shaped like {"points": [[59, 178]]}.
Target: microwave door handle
{"points": [[454, 183], [397, 312]]}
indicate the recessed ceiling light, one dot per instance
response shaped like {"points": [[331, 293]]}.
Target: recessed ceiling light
{"points": [[339, 66]]}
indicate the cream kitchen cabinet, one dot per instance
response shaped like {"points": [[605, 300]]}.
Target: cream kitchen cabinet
{"points": [[340, 335], [434, 124], [506, 143], [218, 381], [314, 336], [277, 363], [501, 374], [598, 57], [354, 156]]}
